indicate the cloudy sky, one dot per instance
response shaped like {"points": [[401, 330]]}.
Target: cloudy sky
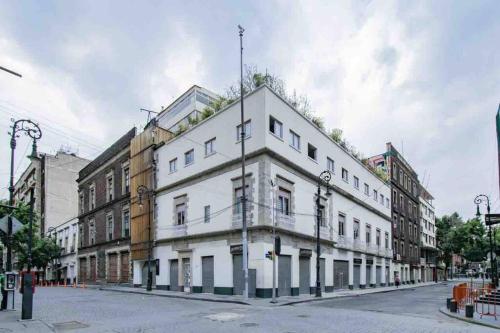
{"points": [[423, 75]]}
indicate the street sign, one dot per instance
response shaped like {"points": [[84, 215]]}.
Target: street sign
{"points": [[16, 225], [491, 219]]}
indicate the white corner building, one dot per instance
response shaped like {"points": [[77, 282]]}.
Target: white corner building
{"points": [[198, 218]]}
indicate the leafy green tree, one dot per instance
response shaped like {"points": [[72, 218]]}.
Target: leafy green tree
{"points": [[447, 239], [473, 240], [44, 250]]}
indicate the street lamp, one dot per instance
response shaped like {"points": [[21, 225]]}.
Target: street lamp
{"points": [[142, 190], [479, 199], [324, 178], [33, 131]]}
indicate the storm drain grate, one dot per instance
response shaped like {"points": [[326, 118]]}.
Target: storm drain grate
{"points": [[69, 325]]}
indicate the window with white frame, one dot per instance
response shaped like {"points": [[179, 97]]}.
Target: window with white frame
{"points": [[109, 186], [248, 130], [180, 210], [92, 196], [386, 240], [275, 127], [387, 202], [345, 175], [367, 189], [283, 202], [210, 147], [126, 222], [355, 229], [109, 226], [206, 211], [341, 224], [294, 140], [173, 165], [189, 157], [125, 178], [330, 165], [356, 182], [377, 237], [368, 233], [375, 195], [312, 152], [81, 237], [381, 199]]}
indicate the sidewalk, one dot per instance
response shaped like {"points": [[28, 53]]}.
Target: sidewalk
{"points": [[488, 321], [265, 302], [10, 322]]}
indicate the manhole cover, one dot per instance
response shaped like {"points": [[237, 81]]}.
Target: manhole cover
{"points": [[249, 325], [69, 325]]}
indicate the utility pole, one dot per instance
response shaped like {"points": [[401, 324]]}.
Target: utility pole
{"points": [[243, 185], [482, 198], [141, 191], [324, 177]]}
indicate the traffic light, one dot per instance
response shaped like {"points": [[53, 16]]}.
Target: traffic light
{"points": [[277, 245]]}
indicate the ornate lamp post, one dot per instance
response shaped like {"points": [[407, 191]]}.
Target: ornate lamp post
{"points": [[142, 191], [484, 199], [323, 179], [32, 130]]}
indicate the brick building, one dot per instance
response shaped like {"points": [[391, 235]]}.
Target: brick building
{"points": [[104, 216]]}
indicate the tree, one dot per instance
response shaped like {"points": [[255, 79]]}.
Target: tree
{"points": [[447, 240], [43, 251], [473, 240]]}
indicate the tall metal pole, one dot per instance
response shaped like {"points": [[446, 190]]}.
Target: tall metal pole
{"points": [[149, 286], [273, 212], [11, 198], [27, 305], [482, 198], [318, 246], [243, 185]]}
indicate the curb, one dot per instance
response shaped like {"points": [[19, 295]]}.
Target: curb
{"points": [[177, 296], [470, 321], [356, 295]]}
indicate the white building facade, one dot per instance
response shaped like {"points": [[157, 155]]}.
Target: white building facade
{"points": [[428, 252], [198, 214], [64, 269]]}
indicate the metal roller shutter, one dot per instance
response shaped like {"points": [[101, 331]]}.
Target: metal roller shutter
{"points": [[378, 275], [341, 274], [304, 275], [174, 275], [207, 274], [284, 275], [357, 276]]}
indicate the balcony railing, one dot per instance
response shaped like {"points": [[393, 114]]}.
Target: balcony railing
{"points": [[285, 221], [344, 242]]}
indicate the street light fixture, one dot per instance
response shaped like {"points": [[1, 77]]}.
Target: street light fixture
{"points": [[484, 199], [323, 179], [142, 191]]}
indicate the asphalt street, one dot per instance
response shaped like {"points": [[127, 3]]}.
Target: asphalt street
{"points": [[89, 310]]}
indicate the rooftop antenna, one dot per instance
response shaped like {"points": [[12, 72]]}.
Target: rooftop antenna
{"points": [[423, 180], [428, 179], [149, 113]]}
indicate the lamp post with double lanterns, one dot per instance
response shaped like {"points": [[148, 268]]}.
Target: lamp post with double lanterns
{"points": [[484, 199], [142, 191], [33, 131], [323, 179]]}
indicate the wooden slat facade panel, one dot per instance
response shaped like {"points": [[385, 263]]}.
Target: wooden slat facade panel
{"points": [[141, 173]]}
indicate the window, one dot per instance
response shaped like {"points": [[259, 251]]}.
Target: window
{"points": [[210, 147], [181, 213], [238, 192], [367, 189], [248, 130], [394, 171], [356, 182], [207, 213], [92, 232], [345, 175], [81, 238], [173, 165], [81, 202], [92, 197], [401, 203], [394, 198], [396, 248], [294, 140], [126, 222], [330, 165], [109, 227], [312, 151], [73, 241], [109, 187], [375, 195], [283, 202], [400, 177], [322, 216], [381, 199], [402, 225], [377, 237], [415, 230], [276, 127], [341, 225], [356, 229], [126, 179], [189, 157], [386, 240], [368, 234], [402, 248], [387, 202]]}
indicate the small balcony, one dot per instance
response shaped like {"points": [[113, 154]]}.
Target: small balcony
{"points": [[285, 221], [358, 245]]}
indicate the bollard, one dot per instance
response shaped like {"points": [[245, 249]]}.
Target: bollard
{"points": [[453, 306], [469, 310], [448, 303]]}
